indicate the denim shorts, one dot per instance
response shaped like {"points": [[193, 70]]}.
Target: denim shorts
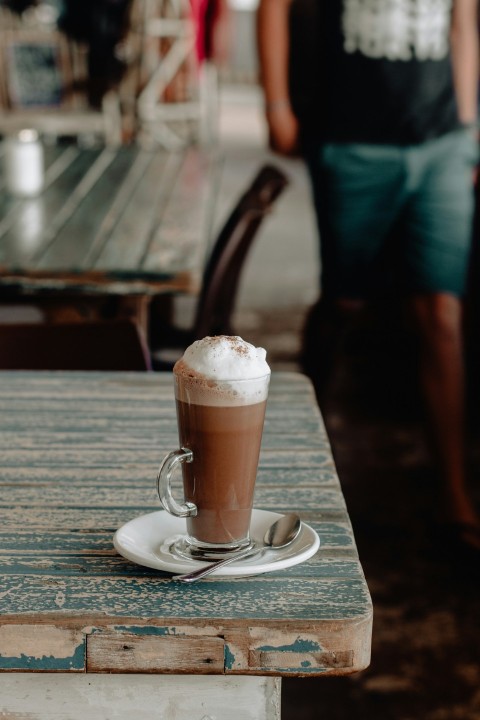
{"points": [[391, 214]]}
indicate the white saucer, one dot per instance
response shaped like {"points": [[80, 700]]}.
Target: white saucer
{"points": [[147, 541]]}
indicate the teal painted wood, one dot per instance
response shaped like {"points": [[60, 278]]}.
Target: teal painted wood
{"points": [[175, 240], [267, 598], [42, 536], [56, 204], [77, 238], [141, 216], [14, 250], [111, 221], [134, 497], [71, 662], [101, 478], [330, 564], [166, 438], [80, 453], [109, 520]]}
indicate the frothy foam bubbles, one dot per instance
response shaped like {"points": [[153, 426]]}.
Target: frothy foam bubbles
{"points": [[223, 370]]}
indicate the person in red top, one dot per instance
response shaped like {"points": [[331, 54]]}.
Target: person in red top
{"points": [[384, 110]]}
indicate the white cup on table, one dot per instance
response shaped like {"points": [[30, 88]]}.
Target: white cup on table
{"points": [[24, 164]]}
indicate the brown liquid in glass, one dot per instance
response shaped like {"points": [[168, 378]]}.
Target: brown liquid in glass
{"points": [[221, 479]]}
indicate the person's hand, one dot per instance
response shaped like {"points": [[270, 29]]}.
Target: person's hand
{"points": [[283, 128]]}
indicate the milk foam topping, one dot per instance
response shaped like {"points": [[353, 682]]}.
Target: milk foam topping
{"points": [[224, 369]]}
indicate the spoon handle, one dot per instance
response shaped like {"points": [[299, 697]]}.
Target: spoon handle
{"points": [[208, 569]]}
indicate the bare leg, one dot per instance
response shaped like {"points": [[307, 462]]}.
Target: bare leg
{"points": [[439, 324]]}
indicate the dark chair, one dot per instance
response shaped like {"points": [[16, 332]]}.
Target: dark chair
{"points": [[102, 345], [223, 270]]}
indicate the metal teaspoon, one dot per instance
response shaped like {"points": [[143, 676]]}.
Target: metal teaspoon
{"points": [[280, 534]]}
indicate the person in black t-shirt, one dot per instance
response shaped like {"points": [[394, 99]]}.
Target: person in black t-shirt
{"points": [[381, 97]]}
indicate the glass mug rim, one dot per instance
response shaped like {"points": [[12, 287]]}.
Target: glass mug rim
{"points": [[212, 381]]}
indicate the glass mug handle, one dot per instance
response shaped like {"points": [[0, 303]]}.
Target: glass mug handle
{"points": [[167, 468]]}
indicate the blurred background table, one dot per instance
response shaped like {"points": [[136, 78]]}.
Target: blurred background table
{"points": [[121, 224]]}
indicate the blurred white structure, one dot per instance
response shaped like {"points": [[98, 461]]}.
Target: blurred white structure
{"points": [[243, 66]]}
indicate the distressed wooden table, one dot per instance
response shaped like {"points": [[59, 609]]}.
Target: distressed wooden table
{"points": [[85, 633], [119, 222]]}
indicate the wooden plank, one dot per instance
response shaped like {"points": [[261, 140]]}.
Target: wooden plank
{"points": [[43, 257], [145, 697], [56, 500], [279, 428], [51, 543], [94, 554], [24, 221], [303, 652], [131, 237], [298, 651], [41, 647], [271, 659], [146, 453], [276, 420], [135, 652], [286, 384], [127, 186], [100, 479], [19, 248], [8, 206], [93, 198], [272, 448], [280, 601], [182, 238], [108, 519]]}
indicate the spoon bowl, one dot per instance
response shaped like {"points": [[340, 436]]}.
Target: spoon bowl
{"points": [[278, 535], [283, 531]]}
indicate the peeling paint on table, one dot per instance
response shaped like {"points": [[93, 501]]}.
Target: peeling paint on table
{"points": [[80, 453]]}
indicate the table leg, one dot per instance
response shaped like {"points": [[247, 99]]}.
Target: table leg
{"points": [[145, 697]]}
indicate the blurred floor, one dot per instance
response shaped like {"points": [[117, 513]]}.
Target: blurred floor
{"points": [[426, 633], [426, 640]]}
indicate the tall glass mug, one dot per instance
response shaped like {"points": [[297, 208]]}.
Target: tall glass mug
{"points": [[220, 425]]}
